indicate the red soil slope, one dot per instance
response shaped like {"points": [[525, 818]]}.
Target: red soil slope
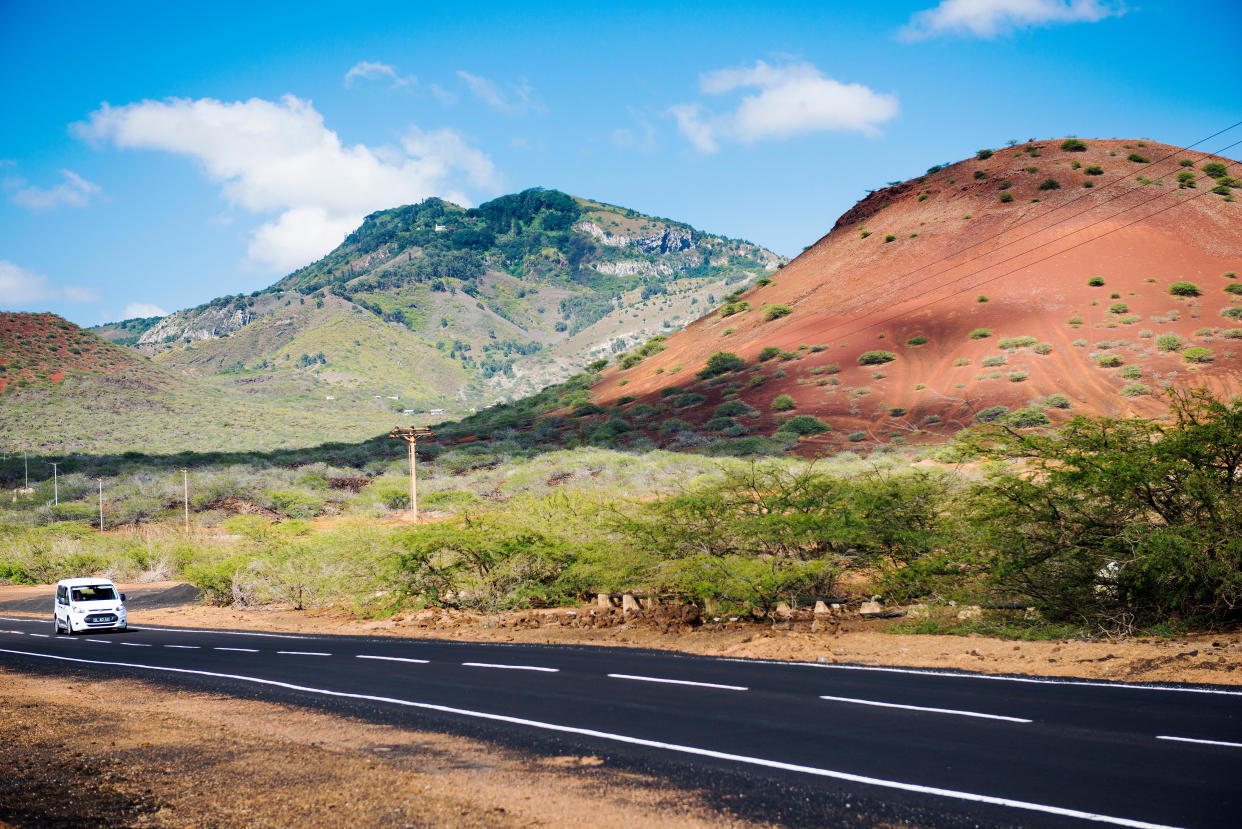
{"points": [[953, 241], [44, 348]]}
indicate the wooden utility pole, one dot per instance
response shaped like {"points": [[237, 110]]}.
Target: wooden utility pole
{"points": [[55, 482], [411, 434], [101, 527], [185, 480]]}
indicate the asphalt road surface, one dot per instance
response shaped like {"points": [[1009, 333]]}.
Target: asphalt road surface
{"points": [[945, 747]]}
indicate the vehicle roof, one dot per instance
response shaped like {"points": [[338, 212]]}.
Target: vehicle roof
{"points": [[81, 582]]}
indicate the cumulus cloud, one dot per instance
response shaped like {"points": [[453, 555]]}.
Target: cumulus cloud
{"points": [[278, 156], [142, 309], [790, 99], [989, 18], [371, 71], [513, 98], [73, 191], [20, 287]]}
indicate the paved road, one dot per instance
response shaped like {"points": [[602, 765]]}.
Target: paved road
{"points": [[991, 750]]}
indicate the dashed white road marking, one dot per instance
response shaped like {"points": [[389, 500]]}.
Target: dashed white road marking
{"points": [[1203, 742], [394, 659], [40, 635], [305, 653], [18, 632], [680, 682], [136, 644], [916, 788], [510, 667], [965, 675], [956, 711], [239, 650], [186, 647], [101, 641]]}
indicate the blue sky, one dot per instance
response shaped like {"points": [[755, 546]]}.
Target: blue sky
{"points": [[154, 157]]}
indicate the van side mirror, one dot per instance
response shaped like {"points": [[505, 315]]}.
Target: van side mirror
{"points": [[122, 597]]}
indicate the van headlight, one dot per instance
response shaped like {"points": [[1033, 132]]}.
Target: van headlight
{"points": [[77, 610]]}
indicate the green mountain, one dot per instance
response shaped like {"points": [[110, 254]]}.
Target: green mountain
{"points": [[434, 306]]}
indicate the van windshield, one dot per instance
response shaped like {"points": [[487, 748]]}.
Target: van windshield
{"points": [[94, 593]]}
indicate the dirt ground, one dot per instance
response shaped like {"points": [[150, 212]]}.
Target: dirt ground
{"points": [[1208, 658], [123, 753]]}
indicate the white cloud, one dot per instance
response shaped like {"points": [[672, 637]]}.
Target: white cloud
{"points": [[371, 71], [989, 18], [73, 191], [19, 287], [514, 99], [792, 99], [142, 309], [277, 156]]}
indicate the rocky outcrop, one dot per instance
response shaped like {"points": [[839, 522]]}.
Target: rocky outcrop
{"points": [[668, 240]]}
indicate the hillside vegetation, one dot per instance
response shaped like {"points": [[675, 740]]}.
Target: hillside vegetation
{"points": [[436, 306]]}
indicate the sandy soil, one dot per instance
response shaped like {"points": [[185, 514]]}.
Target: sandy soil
{"points": [[1209, 658], [124, 753]]}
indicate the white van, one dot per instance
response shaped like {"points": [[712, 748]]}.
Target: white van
{"points": [[88, 604]]}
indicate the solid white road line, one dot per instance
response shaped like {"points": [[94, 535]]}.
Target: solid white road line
{"points": [[923, 708], [638, 741], [395, 659], [994, 677], [1204, 742], [510, 667], [186, 647], [240, 650], [679, 682], [305, 653]]}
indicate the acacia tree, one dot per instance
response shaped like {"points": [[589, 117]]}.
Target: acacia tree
{"points": [[1119, 522]]}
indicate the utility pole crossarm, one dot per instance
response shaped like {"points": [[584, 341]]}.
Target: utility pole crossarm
{"points": [[411, 434]]}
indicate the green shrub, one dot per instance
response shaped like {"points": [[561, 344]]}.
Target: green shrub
{"points": [[981, 298], [993, 360], [1050, 184], [1073, 145], [1109, 361], [1198, 354], [297, 503], [875, 358], [669, 391], [983, 155], [719, 424], [1168, 342], [890, 238], [1184, 289], [856, 436], [1136, 390], [1118, 308], [918, 339], [782, 403], [1233, 288], [393, 494], [684, 401], [773, 312], [805, 425], [1215, 169], [980, 174], [673, 425], [1014, 343], [1234, 313], [722, 362], [1056, 401], [863, 234], [1138, 159], [1025, 418], [586, 407], [735, 408], [768, 352], [980, 333], [1006, 197], [1131, 372], [991, 413], [1042, 348]]}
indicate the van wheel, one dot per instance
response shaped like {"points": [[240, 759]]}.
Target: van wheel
{"points": [[55, 626]]}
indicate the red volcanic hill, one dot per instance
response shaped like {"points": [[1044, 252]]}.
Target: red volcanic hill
{"points": [[1097, 270], [45, 348]]}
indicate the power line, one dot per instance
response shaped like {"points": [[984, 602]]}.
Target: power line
{"points": [[1024, 266], [889, 292], [1059, 207]]}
